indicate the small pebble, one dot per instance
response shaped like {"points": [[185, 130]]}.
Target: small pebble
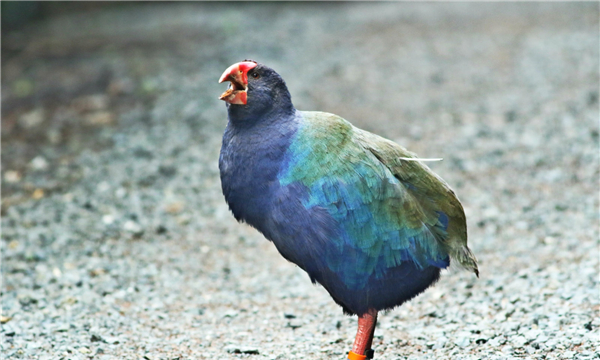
{"points": [[519, 341], [32, 119], [133, 227], [242, 350], [113, 340], [38, 163], [108, 219], [462, 342], [440, 342], [100, 118], [12, 176], [96, 338], [294, 324]]}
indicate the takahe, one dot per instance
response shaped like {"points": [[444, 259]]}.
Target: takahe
{"points": [[363, 216]]}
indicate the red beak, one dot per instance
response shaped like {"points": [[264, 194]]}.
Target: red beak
{"points": [[238, 75]]}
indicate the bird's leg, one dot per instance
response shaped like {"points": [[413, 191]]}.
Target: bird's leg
{"points": [[364, 335], [374, 314]]}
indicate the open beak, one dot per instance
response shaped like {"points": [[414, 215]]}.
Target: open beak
{"points": [[237, 74]]}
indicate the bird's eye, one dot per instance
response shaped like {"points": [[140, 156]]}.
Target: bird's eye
{"points": [[255, 75]]}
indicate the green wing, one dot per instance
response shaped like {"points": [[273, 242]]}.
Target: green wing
{"points": [[430, 193], [388, 210]]}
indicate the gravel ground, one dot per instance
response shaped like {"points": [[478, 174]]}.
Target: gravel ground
{"points": [[117, 243]]}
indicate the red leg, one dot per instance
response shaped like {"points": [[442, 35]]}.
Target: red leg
{"points": [[370, 343], [364, 334]]}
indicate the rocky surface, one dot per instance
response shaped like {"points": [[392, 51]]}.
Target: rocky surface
{"points": [[116, 241]]}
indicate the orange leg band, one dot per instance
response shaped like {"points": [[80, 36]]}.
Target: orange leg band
{"points": [[355, 356]]}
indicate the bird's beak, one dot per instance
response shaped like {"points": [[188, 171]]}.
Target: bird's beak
{"points": [[238, 75]]}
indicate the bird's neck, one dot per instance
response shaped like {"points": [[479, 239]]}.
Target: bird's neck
{"points": [[243, 117]]}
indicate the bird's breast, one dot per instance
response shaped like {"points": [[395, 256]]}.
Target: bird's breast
{"points": [[249, 164]]}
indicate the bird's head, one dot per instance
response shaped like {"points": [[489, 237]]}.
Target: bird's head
{"points": [[254, 90]]}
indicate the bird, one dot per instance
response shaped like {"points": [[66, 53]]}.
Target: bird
{"points": [[361, 215]]}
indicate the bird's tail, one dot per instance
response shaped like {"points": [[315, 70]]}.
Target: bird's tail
{"points": [[466, 259]]}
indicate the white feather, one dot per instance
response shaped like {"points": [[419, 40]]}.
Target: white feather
{"points": [[417, 159]]}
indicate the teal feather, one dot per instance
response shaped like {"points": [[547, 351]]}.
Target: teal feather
{"points": [[388, 211]]}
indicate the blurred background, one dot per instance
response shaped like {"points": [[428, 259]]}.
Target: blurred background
{"points": [[117, 243]]}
